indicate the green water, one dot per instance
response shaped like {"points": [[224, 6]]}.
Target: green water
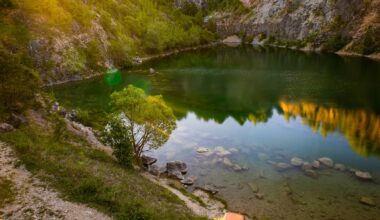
{"points": [[271, 105]]}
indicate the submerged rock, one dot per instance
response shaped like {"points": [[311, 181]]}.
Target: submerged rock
{"points": [[221, 152], [176, 174], [295, 161], [237, 167], [147, 160], [259, 196], [208, 188], [367, 201], [4, 127], [227, 162], [311, 173], [202, 150], [254, 187], [233, 150], [307, 166], [262, 156], [326, 161], [363, 175], [340, 167], [151, 70], [316, 164], [282, 166]]}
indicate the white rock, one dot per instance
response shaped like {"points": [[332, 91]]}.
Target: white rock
{"points": [[295, 161], [221, 152], [202, 150], [363, 175], [234, 39], [282, 166], [326, 161], [227, 162]]}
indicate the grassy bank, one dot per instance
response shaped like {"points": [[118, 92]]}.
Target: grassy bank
{"points": [[90, 176]]}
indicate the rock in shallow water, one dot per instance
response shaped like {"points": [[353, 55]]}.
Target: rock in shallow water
{"points": [[176, 169], [363, 175], [208, 188], [340, 167], [326, 161], [188, 181], [367, 201], [315, 164], [311, 173], [259, 196], [202, 150], [254, 187], [295, 161], [282, 166], [307, 166], [227, 162]]}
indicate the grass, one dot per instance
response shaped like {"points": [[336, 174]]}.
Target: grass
{"points": [[86, 175], [6, 191]]}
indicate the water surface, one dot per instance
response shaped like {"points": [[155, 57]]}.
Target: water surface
{"points": [[270, 105]]}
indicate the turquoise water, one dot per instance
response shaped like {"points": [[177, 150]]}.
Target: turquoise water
{"points": [[270, 105]]}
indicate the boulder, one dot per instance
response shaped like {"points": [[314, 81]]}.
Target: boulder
{"points": [[340, 167], [234, 39], [367, 201], [363, 175], [16, 120], [4, 127], [326, 161], [147, 160], [176, 169], [282, 166], [295, 161], [311, 173], [316, 164]]}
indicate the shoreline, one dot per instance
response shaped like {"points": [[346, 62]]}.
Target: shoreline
{"points": [[375, 57]]}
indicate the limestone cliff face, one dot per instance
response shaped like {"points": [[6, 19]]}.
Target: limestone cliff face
{"points": [[347, 25]]}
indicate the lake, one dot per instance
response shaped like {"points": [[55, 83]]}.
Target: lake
{"points": [[264, 106]]}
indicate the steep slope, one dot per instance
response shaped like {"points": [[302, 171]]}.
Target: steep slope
{"points": [[70, 39]]}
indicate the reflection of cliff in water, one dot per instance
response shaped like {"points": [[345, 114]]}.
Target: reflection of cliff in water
{"points": [[361, 128]]}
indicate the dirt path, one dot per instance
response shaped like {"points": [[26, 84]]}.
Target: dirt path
{"points": [[34, 199]]}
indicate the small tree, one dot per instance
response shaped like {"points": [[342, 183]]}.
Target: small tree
{"points": [[139, 123]]}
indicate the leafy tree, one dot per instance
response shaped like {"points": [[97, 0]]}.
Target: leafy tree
{"points": [[139, 123]]}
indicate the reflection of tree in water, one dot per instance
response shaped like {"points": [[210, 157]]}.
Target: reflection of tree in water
{"points": [[361, 128]]}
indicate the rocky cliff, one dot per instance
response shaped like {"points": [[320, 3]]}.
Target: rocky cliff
{"points": [[351, 26]]}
